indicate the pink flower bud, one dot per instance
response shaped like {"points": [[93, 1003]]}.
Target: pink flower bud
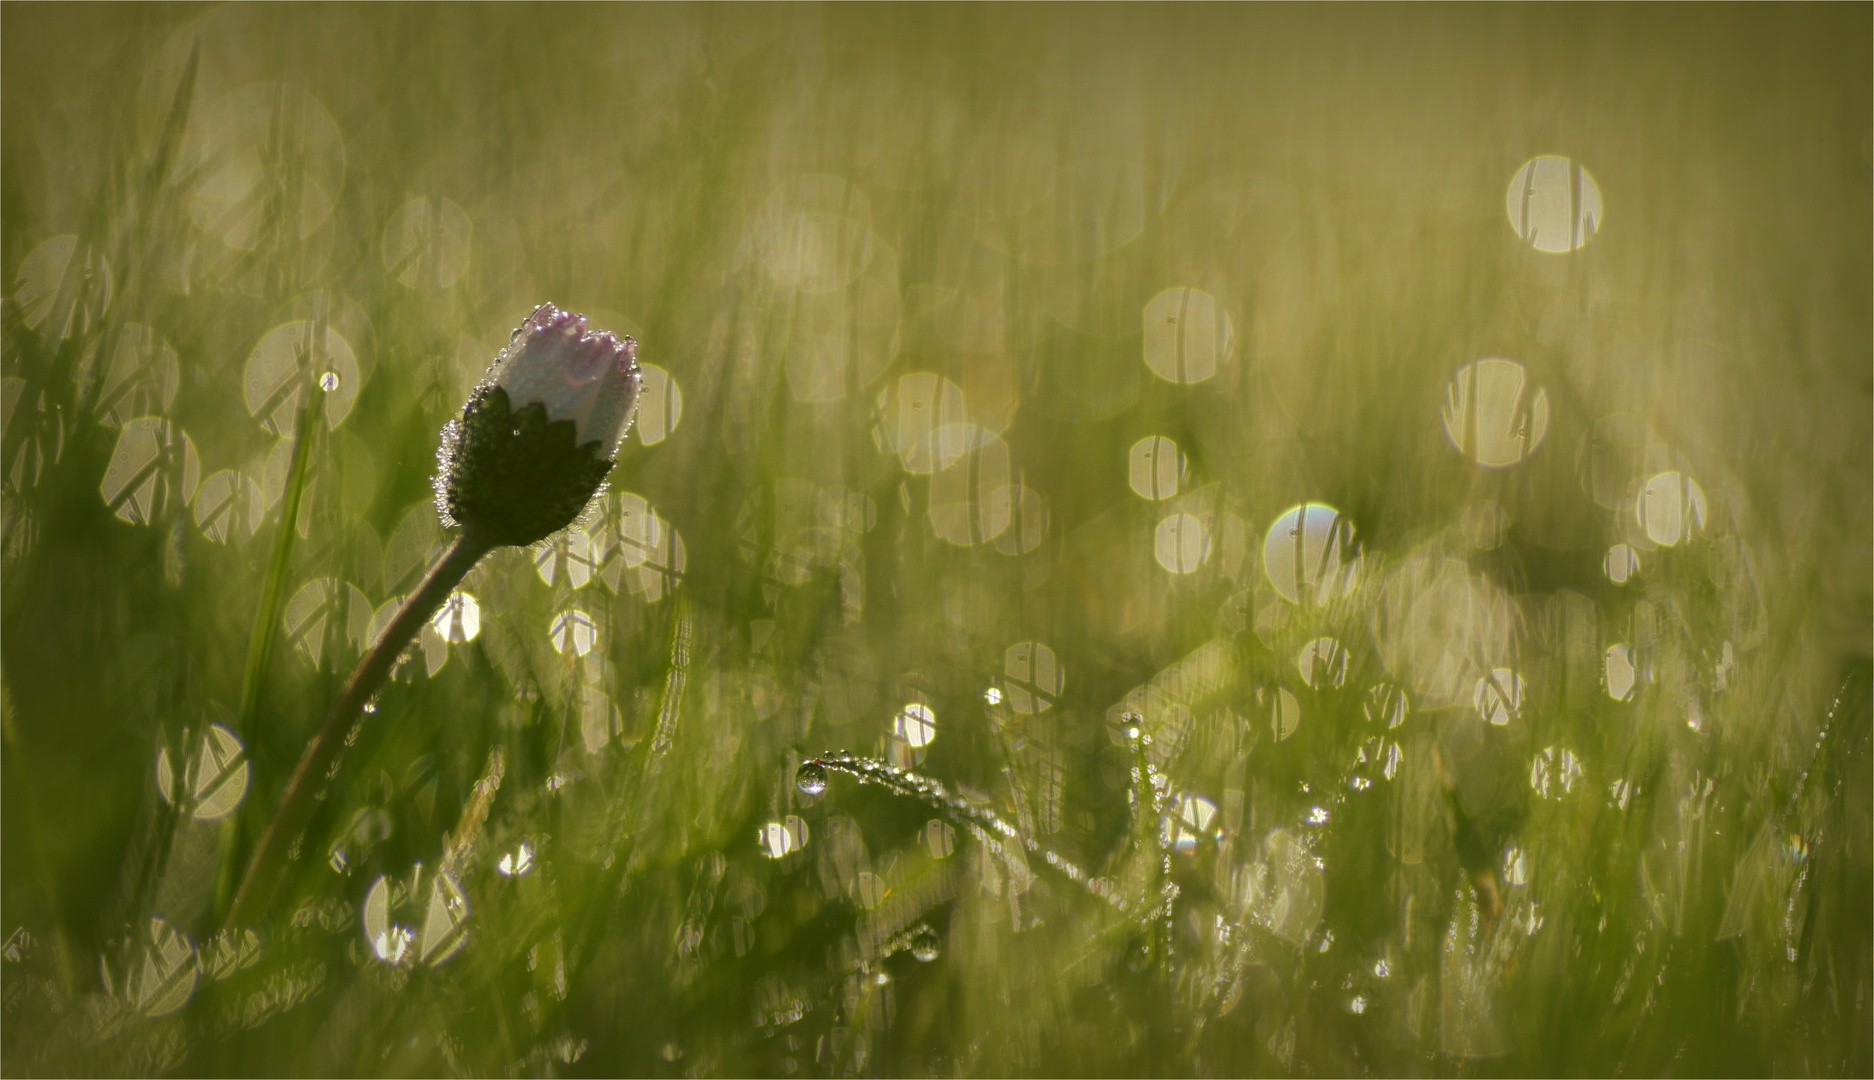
{"points": [[536, 438], [588, 377]]}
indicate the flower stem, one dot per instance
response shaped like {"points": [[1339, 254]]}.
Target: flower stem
{"points": [[321, 755]]}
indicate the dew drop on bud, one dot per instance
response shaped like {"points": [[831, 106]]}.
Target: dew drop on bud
{"points": [[924, 944], [811, 779]]}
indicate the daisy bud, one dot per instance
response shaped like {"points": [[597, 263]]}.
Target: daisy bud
{"points": [[538, 434]]}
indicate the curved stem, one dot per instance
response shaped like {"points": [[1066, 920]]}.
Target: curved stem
{"points": [[321, 755]]}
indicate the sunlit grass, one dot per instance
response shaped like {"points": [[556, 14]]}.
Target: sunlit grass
{"points": [[1338, 539]]}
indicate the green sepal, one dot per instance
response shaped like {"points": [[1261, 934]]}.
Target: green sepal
{"points": [[513, 476]]}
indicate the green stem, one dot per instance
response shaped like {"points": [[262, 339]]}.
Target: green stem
{"points": [[266, 621], [321, 756], [260, 639]]}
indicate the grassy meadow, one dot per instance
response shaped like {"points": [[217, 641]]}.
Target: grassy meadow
{"points": [[1157, 540]]}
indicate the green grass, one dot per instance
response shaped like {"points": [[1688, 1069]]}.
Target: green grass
{"points": [[809, 217]]}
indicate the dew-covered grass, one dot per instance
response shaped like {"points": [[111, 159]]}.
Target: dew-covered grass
{"points": [[1157, 541]]}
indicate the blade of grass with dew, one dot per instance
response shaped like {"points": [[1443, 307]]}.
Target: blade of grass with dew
{"points": [[260, 642]]}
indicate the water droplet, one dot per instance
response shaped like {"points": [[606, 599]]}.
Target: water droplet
{"points": [[1187, 334], [1620, 793], [19, 945], [1307, 553], [166, 977], [459, 618], [1035, 677], [1493, 414], [1192, 821], [1621, 673], [214, 774], [1284, 711], [1515, 867], [1154, 468], [869, 890], [940, 838], [811, 779], [777, 838], [1553, 204], [1620, 564], [924, 944], [153, 469], [273, 381], [1553, 772], [1181, 543], [1671, 508], [518, 862], [1322, 663], [1386, 704], [915, 725], [572, 630], [1498, 696]]}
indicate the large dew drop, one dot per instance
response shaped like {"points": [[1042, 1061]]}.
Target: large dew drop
{"points": [[924, 944], [811, 779]]}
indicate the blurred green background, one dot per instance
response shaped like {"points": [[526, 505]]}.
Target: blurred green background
{"points": [[988, 351]]}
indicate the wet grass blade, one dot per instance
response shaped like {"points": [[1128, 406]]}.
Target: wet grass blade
{"points": [[261, 640]]}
